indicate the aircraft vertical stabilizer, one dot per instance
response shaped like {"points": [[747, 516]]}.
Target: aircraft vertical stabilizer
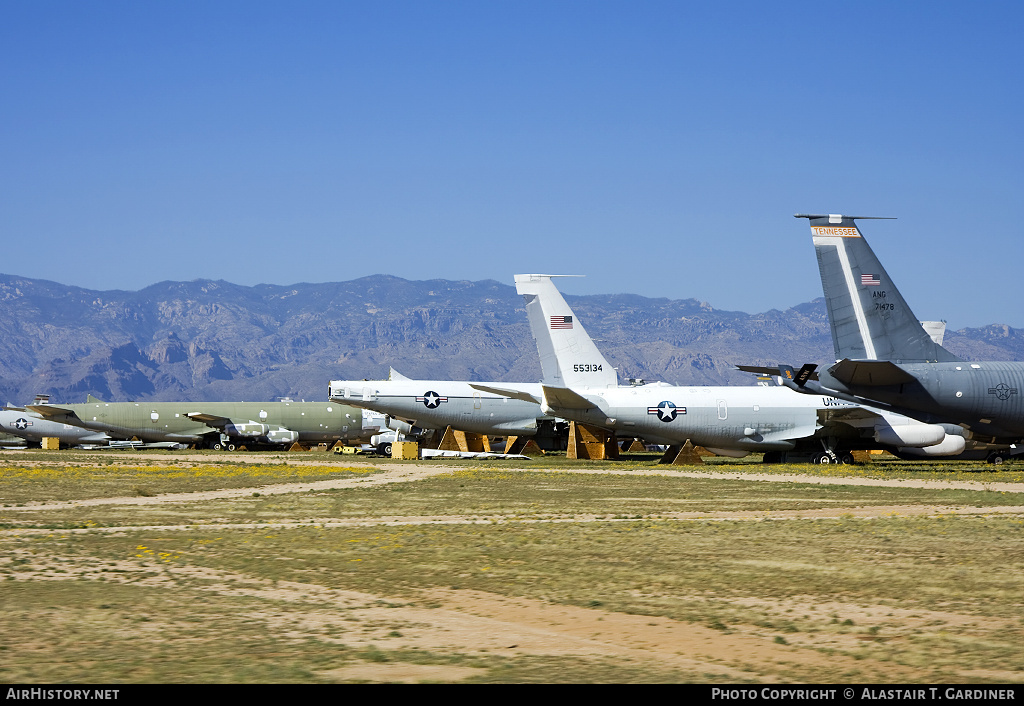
{"points": [[568, 357], [869, 318]]}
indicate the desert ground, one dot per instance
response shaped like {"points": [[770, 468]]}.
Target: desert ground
{"points": [[154, 567]]}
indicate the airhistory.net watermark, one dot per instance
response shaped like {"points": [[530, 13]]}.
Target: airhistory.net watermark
{"points": [[62, 694]]}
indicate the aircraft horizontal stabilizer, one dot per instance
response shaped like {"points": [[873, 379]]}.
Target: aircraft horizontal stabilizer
{"points": [[760, 370], [870, 373], [505, 392], [565, 398]]}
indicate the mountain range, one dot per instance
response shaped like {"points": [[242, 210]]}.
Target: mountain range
{"points": [[209, 340]]}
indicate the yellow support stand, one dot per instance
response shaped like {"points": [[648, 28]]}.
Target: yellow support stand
{"points": [[522, 445], [636, 447], [50, 443], [455, 440], [587, 442], [685, 455]]}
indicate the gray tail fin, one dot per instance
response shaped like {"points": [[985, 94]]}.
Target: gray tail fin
{"points": [[568, 356], [869, 318]]}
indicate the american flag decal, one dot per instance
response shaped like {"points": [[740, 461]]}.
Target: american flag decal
{"points": [[870, 280], [561, 322]]}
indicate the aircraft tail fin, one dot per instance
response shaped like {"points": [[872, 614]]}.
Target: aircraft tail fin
{"points": [[869, 318], [568, 356]]}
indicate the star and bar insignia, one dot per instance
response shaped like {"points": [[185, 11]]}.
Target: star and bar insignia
{"points": [[666, 411], [1002, 391], [431, 400]]}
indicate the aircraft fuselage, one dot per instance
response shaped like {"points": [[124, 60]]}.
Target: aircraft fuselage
{"points": [[32, 427], [437, 404], [987, 398], [312, 422], [750, 419]]}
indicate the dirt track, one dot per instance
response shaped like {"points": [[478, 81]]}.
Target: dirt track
{"points": [[467, 621]]}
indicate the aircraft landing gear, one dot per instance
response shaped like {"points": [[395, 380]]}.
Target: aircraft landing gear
{"points": [[997, 457], [824, 458], [384, 449], [831, 456]]}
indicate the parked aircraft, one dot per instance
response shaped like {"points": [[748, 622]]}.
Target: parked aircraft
{"points": [[885, 357], [31, 427], [415, 406], [214, 424], [581, 385]]}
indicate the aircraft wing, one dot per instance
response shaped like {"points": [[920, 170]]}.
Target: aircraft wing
{"points": [[565, 398], [795, 433], [869, 373], [211, 420], [505, 392], [845, 414], [48, 411]]}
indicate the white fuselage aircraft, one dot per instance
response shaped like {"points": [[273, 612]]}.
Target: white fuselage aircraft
{"points": [[416, 405], [33, 428], [732, 421]]}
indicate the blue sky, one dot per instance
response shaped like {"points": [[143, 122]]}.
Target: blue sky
{"points": [[660, 148]]}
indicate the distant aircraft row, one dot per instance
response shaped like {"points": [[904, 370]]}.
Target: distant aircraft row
{"points": [[213, 425], [895, 387]]}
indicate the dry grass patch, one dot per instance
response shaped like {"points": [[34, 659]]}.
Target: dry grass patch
{"points": [[619, 594], [21, 484]]}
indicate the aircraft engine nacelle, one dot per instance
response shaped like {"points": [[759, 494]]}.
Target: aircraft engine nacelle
{"points": [[248, 429], [404, 428], [388, 437], [282, 436], [950, 446], [914, 435]]}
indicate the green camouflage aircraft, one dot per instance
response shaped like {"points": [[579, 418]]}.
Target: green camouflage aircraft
{"points": [[216, 425]]}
